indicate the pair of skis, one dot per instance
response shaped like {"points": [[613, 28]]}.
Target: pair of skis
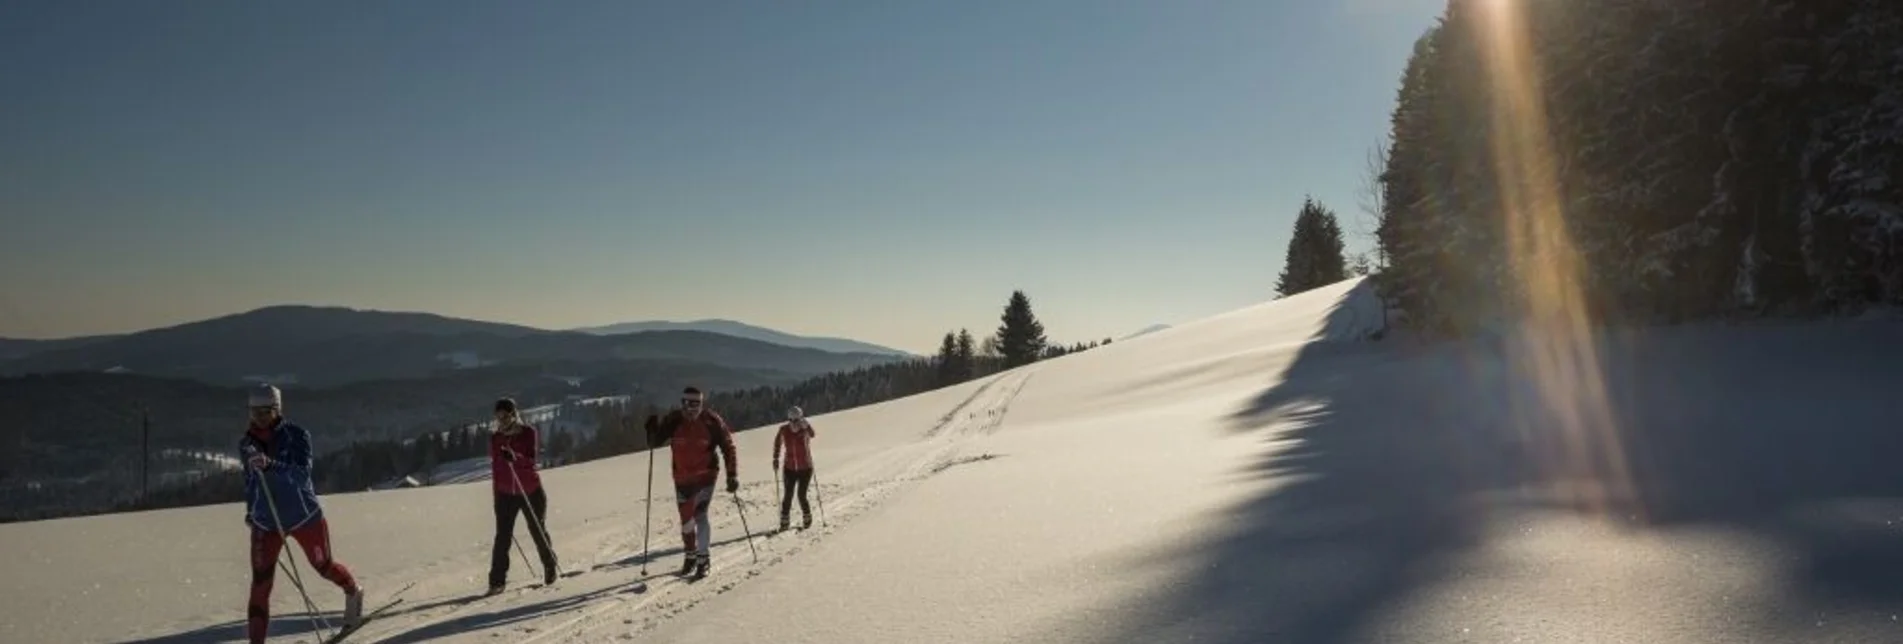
{"points": [[397, 598]]}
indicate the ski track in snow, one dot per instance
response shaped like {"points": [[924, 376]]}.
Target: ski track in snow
{"points": [[625, 602]]}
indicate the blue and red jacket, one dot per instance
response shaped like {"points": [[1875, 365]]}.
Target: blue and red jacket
{"points": [[288, 478]]}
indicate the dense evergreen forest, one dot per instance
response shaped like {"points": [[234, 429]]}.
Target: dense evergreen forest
{"points": [[1645, 161]]}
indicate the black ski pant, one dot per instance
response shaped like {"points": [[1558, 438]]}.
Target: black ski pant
{"points": [[795, 481], [507, 507]]}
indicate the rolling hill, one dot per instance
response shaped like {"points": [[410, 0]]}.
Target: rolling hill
{"points": [[11, 348], [751, 332], [76, 436], [328, 346]]}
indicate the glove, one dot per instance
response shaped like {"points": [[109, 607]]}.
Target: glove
{"points": [[776, 463], [258, 460], [653, 422], [733, 484], [508, 454]]}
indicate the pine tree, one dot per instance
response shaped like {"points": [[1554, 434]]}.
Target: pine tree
{"points": [[1020, 336], [967, 353], [1409, 223], [1314, 251], [947, 359]]}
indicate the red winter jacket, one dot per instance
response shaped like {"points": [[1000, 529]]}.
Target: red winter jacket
{"points": [[523, 442], [695, 443], [798, 442]]}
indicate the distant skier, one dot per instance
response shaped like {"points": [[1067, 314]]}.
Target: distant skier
{"points": [[797, 435], [695, 433], [281, 501], [513, 448]]}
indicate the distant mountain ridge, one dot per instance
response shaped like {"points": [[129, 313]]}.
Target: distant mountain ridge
{"points": [[751, 332], [320, 346], [11, 348]]}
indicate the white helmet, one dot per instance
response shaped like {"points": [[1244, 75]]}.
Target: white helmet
{"points": [[795, 413]]}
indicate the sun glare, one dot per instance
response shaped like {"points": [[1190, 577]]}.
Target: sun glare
{"points": [[1558, 350]]}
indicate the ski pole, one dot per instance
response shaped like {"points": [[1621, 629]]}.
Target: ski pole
{"points": [[744, 528], [647, 527], [819, 497], [535, 522], [317, 621]]}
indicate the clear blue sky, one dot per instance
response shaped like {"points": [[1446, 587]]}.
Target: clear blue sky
{"points": [[883, 170]]}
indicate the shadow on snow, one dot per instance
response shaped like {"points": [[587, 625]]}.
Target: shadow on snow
{"points": [[1398, 458]]}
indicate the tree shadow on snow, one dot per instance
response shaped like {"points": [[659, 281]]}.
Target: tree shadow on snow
{"points": [[1396, 460]]}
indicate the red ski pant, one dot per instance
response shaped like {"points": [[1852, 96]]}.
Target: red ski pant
{"points": [[696, 530], [265, 546]]}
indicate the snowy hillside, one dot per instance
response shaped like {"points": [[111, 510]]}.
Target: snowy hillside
{"points": [[1259, 476]]}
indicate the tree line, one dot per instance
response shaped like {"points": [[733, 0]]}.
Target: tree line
{"points": [[1657, 161]]}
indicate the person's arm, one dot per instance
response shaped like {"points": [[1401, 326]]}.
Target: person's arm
{"points": [[296, 466], [779, 437], [660, 430], [723, 436], [248, 448]]}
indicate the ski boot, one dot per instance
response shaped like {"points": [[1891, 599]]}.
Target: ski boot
{"points": [[702, 563], [687, 565], [353, 609], [806, 521], [785, 522]]}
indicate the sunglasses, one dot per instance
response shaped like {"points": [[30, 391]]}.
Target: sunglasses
{"points": [[690, 403]]}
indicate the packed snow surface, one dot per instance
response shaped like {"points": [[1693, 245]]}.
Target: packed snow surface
{"points": [[1267, 475]]}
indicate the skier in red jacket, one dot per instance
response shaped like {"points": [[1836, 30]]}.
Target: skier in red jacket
{"points": [[695, 433], [797, 436], [518, 489]]}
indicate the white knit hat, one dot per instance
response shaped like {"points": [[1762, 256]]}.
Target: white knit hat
{"points": [[265, 395]]}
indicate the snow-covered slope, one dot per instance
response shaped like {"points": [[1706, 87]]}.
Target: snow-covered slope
{"points": [[1256, 476]]}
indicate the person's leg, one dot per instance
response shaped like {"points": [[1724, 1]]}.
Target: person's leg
{"points": [[706, 529], [506, 507], [265, 546], [538, 531], [806, 509], [787, 485], [685, 503], [314, 537]]}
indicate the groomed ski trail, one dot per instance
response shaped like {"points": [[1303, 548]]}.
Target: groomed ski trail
{"points": [[862, 486], [606, 597]]}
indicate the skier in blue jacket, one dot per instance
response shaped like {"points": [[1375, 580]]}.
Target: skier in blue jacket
{"points": [[281, 501]]}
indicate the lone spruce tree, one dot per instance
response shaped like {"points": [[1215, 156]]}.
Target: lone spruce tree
{"points": [[1021, 337], [1314, 252]]}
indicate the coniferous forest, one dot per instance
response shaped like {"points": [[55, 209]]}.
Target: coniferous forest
{"points": [[1661, 160]]}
